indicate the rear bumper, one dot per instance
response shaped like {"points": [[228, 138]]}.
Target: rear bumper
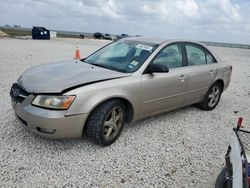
{"points": [[227, 81], [49, 123]]}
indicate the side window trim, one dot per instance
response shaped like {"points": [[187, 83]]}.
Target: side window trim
{"points": [[205, 51], [184, 53], [173, 43]]}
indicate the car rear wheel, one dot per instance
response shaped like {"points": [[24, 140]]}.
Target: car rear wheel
{"points": [[106, 122], [212, 97]]}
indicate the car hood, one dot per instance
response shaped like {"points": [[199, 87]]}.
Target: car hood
{"points": [[58, 77]]}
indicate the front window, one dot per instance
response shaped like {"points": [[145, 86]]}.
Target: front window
{"points": [[122, 56], [170, 56]]}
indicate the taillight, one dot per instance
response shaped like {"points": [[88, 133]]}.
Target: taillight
{"points": [[239, 123]]}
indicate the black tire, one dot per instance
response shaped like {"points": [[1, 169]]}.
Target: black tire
{"points": [[96, 128], [205, 104], [223, 180]]}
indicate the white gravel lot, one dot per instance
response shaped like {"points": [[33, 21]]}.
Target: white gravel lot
{"points": [[183, 148]]}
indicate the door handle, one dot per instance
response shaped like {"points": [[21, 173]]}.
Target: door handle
{"points": [[211, 72], [182, 78]]}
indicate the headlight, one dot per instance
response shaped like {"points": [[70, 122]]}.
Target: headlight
{"points": [[55, 102]]}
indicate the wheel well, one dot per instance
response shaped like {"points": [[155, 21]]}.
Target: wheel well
{"points": [[129, 110], [221, 83]]}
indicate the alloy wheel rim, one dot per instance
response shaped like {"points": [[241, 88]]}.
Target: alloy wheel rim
{"points": [[113, 123], [213, 96]]}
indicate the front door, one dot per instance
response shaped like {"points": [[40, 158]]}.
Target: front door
{"points": [[164, 91]]}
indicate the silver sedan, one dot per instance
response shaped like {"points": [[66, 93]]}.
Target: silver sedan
{"points": [[124, 81]]}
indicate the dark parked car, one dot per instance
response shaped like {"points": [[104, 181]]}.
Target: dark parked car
{"points": [[98, 35], [124, 35], [40, 33], [81, 36], [118, 37]]}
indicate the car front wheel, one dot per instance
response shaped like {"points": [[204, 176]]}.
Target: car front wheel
{"points": [[212, 97], [106, 122]]}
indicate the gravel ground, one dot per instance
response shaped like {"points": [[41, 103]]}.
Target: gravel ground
{"points": [[183, 148]]}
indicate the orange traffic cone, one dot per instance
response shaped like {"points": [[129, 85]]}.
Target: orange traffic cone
{"points": [[77, 54]]}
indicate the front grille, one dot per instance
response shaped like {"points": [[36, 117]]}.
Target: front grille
{"points": [[17, 93]]}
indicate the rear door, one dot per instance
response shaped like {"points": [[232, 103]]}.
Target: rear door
{"points": [[163, 91], [202, 68]]}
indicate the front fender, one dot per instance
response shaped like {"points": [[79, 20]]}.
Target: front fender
{"points": [[90, 96]]}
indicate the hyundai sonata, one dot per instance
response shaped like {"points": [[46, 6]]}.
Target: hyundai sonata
{"points": [[124, 81]]}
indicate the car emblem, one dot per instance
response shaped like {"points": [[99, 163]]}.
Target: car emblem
{"points": [[16, 92]]}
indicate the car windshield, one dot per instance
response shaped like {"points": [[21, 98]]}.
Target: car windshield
{"points": [[123, 56]]}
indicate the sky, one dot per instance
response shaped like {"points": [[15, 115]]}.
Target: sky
{"points": [[206, 20]]}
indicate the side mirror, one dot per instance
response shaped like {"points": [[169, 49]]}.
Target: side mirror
{"points": [[157, 68]]}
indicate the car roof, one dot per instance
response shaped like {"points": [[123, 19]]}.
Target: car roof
{"points": [[145, 39], [158, 40]]}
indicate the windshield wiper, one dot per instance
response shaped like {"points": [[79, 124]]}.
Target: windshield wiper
{"points": [[93, 63], [104, 66], [99, 65]]}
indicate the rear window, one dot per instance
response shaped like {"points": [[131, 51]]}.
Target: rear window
{"points": [[195, 55]]}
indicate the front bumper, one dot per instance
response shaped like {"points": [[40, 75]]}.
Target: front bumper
{"points": [[46, 122]]}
